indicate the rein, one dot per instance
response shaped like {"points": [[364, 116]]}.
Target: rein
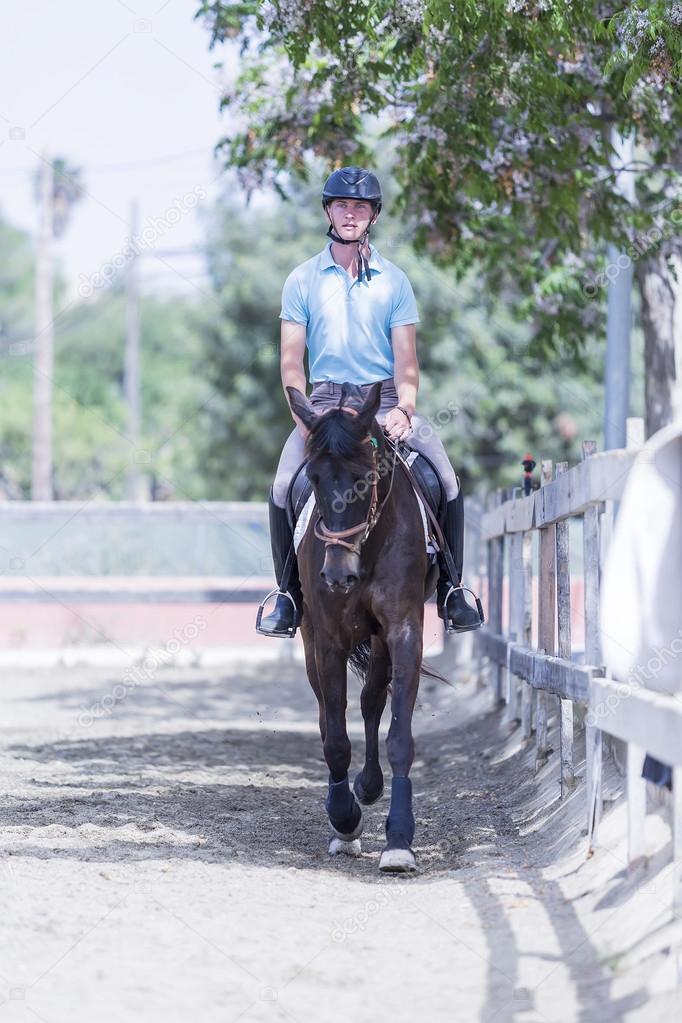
{"points": [[337, 537]]}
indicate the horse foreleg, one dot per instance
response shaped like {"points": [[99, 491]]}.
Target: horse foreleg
{"points": [[404, 642], [311, 670], [369, 783], [345, 815]]}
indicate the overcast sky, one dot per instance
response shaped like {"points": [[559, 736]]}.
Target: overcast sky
{"points": [[107, 84]]}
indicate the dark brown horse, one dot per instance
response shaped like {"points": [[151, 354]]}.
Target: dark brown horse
{"points": [[365, 575]]}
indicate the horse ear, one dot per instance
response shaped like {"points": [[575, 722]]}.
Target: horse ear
{"points": [[370, 405], [301, 407]]}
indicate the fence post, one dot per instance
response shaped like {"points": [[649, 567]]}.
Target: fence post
{"points": [[473, 568], [563, 569], [593, 735], [634, 755], [495, 583], [516, 615], [546, 619], [677, 860], [485, 671], [636, 791], [482, 569], [528, 693]]}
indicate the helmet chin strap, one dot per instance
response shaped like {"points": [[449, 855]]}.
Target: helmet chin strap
{"points": [[362, 259]]}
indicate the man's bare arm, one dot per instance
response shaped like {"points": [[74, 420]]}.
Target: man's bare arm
{"points": [[292, 351], [406, 369]]}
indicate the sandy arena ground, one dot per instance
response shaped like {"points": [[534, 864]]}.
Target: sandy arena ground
{"points": [[167, 862]]}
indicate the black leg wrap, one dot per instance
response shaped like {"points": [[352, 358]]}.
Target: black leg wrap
{"points": [[400, 820], [344, 813]]}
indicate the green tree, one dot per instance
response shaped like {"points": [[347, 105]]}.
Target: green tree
{"points": [[16, 336], [503, 116], [58, 189], [91, 450], [16, 287], [251, 251]]}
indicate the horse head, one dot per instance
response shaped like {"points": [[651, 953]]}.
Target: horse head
{"points": [[342, 450]]}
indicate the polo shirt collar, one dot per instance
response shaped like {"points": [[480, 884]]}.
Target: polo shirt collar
{"points": [[327, 260]]}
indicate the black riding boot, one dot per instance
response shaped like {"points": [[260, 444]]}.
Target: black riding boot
{"points": [[285, 618], [462, 617]]}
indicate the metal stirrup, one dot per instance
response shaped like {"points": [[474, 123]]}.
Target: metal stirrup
{"points": [[449, 627], [291, 631]]}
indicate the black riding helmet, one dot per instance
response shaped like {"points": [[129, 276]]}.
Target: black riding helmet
{"points": [[353, 183]]}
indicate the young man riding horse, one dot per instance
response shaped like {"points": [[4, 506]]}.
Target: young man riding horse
{"points": [[356, 313]]}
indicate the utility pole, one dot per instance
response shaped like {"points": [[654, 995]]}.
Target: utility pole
{"points": [[619, 314], [131, 375], [43, 359]]}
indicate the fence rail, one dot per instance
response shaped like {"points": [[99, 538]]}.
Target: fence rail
{"points": [[134, 590], [533, 682]]}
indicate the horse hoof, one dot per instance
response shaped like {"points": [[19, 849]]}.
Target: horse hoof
{"points": [[363, 797], [397, 861], [340, 847]]}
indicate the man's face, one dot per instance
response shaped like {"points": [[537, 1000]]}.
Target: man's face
{"points": [[350, 217]]}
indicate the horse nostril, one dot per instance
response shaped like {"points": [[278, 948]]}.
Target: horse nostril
{"points": [[344, 582]]}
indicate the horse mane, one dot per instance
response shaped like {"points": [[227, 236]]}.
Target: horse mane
{"points": [[337, 433]]}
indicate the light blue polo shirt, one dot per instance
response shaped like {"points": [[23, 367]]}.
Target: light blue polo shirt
{"points": [[348, 323]]}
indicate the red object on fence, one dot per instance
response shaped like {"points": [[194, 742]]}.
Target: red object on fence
{"points": [[528, 463]]}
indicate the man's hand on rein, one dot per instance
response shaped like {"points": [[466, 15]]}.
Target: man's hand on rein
{"points": [[397, 424]]}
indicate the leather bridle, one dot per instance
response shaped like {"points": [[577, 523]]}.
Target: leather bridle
{"points": [[337, 537]]}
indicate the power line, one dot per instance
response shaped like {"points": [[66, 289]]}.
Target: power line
{"points": [[152, 162], [186, 250], [105, 168]]}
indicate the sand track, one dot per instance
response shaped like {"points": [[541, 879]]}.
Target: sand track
{"points": [[168, 860]]}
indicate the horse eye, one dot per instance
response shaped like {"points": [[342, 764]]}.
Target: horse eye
{"points": [[314, 478]]}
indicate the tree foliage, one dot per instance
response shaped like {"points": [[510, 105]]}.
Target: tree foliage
{"points": [[91, 451], [502, 116]]}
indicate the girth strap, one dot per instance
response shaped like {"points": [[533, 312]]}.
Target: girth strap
{"points": [[437, 531]]}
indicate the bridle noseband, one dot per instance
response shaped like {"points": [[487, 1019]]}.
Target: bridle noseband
{"points": [[337, 537]]}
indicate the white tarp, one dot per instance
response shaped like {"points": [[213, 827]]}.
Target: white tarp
{"points": [[641, 592]]}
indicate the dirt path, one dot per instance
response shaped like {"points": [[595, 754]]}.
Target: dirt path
{"points": [[167, 861]]}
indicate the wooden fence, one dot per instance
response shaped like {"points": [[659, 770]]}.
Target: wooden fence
{"points": [[532, 681]]}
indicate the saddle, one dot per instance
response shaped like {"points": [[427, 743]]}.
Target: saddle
{"points": [[425, 479], [431, 498]]}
